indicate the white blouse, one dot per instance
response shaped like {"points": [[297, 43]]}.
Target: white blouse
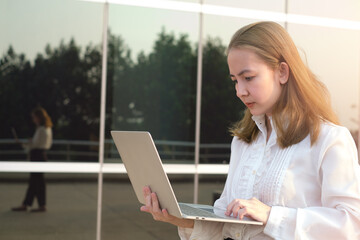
{"points": [[314, 190], [42, 139]]}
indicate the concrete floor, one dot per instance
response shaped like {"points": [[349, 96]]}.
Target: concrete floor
{"points": [[72, 211]]}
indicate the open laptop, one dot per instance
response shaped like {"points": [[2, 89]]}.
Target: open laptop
{"points": [[144, 167]]}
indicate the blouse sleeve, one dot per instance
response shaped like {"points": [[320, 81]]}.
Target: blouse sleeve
{"points": [[42, 139], [38, 141], [339, 215], [203, 230]]}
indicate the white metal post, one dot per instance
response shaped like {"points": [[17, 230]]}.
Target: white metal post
{"points": [[102, 118], [198, 105]]}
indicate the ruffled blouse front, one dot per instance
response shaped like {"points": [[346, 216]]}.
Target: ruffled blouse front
{"points": [[314, 190]]}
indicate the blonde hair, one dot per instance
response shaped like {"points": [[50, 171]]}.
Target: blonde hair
{"points": [[304, 101]]}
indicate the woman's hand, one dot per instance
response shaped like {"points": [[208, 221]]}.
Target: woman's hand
{"points": [[153, 207], [251, 208]]}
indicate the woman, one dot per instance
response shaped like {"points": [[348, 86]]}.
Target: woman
{"points": [[37, 147], [292, 166]]}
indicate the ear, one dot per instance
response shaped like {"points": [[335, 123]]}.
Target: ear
{"points": [[283, 72]]}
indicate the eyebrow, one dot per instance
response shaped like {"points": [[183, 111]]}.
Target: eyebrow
{"points": [[241, 73]]}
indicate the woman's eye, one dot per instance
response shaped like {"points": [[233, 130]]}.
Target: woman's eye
{"points": [[249, 78], [234, 81]]}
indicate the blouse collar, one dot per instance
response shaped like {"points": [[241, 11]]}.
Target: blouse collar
{"points": [[261, 124]]}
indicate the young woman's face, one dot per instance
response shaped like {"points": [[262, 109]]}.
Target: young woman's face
{"points": [[257, 85]]}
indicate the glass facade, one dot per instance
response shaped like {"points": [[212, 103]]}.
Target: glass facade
{"points": [[339, 70], [71, 201], [349, 9], [52, 56], [122, 219], [220, 107], [151, 77]]}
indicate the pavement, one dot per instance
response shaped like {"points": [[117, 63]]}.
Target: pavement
{"points": [[72, 202]]}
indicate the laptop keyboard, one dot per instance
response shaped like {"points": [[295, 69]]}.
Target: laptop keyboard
{"points": [[191, 211]]}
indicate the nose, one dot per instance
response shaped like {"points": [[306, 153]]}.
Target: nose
{"points": [[241, 90]]}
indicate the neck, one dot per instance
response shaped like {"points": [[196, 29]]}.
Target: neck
{"points": [[268, 126]]}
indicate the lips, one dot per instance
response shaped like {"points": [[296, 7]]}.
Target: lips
{"points": [[250, 104]]}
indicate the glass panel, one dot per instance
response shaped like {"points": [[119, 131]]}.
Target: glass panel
{"points": [[346, 9], [192, 1], [51, 56], [121, 217], [210, 188], [337, 65], [220, 106], [151, 87], [274, 5], [71, 201], [152, 78]]}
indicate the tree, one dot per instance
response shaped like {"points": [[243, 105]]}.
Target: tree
{"points": [[220, 107], [63, 81], [67, 83], [14, 71], [157, 92]]}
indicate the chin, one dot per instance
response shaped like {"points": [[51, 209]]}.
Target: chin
{"points": [[256, 113]]}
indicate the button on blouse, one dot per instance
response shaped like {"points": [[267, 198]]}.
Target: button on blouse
{"points": [[314, 190]]}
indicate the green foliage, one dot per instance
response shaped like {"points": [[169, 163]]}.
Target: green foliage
{"points": [[157, 92], [220, 106], [63, 81]]}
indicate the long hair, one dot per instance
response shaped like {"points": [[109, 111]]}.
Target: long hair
{"points": [[43, 117], [304, 102]]}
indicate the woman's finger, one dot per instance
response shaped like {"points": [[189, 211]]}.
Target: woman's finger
{"points": [[146, 191], [165, 213], [234, 207], [148, 202], [243, 212], [144, 209], [229, 208], [155, 203], [235, 210]]}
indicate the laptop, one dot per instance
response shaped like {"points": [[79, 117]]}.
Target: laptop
{"points": [[144, 168]]}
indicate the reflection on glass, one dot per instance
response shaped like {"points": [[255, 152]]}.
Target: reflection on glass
{"points": [[346, 9], [51, 57], [333, 55], [274, 5], [37, 148], [220, 106], [152, 78], [121, 215], [210, 188], [71, 208]]}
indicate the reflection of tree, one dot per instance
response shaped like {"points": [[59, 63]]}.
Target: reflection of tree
{"points": [[156, 93], [159, 94], [220, 106], [63, 80]]}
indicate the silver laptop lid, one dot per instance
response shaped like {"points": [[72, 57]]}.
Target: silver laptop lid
{"points": [[144, 167]]}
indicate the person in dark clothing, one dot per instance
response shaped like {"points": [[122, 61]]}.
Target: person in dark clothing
{"points": [[37, 147]]}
